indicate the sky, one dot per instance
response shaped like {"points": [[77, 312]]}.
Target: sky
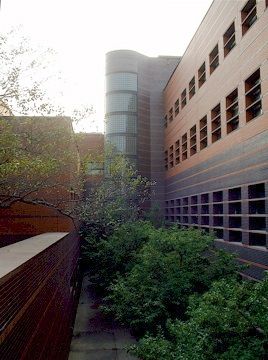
{"points": [[83, 31]]}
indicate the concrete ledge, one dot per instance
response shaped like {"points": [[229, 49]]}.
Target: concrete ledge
{"points": [[14, 255]]}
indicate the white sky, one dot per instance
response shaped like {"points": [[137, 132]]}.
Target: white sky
{"points": [[82, 31]]}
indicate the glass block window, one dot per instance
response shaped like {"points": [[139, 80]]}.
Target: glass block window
{"points": [[125, 144], [121, 123], [121, 102], [121, 81]]}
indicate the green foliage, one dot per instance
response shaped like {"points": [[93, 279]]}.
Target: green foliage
{"points": [[229, 322], [38, 162], [107, 258], [172, 265], [117, 199], [154, 215]]}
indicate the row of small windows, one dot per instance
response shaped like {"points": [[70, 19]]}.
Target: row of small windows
{"points": [[121, 123], [253, 99], [121, 102], [121, 81], [248, 17], [125, 144], [233, 213]]}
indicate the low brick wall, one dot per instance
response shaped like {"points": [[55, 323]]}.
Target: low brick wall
{"points": [[38, 295]]}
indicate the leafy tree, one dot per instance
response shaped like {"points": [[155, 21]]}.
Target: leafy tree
{"points": [[38, 162], [25, 73], [117, 198], [171, 266], [113, 256], [38, 158], [229, 322]]}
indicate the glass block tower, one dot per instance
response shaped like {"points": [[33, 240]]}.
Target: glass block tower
{"points": [[121, 112], [135, 110]]}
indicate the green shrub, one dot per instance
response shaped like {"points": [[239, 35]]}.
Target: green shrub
{"points": [[115, 255], [170, 266], [229, 322]]}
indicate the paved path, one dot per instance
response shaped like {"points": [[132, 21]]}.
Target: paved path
{"points": [[95, 338]]}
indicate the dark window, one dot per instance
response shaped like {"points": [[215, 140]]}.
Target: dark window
{"points": [[257, 239], [235, 208], [203, 133], [253, 96], [232, 111], [214, 59], [257, 223], [229, 39], [235, 222], [204, 198], [202, 75], [248, 15], [183, 99], [194, 199], [216, 123], [193, 147], [217, 221], [235, 236], [165, 121], [171, 157], [256, 207], [192, 88], [184, 146], [177, 107], [217, 209], [177, 152], [217, 196], [170, 114], [219, 233], [256, 191]]}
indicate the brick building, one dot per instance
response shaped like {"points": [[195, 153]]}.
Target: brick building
{"points": [[23, 219], [134, 110], [215, 131]]}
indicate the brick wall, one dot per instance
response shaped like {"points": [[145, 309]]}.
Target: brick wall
{"points": [[38, 293]]}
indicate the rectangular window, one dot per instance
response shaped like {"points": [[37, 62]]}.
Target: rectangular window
{"points": [[256, 191], [170, 114], [216, 123], [192, 88], [177, 152], [229, 39], [183, 99], [166, 121], [257, 239], [166, 159], [214, 59], [253, 96], [171, 157], [193, 148], [248, 15], [232, 111], [203, 131], [184, 146], [202, 75], [177, 107]]}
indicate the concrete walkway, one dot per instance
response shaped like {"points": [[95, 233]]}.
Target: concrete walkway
{"points": [[94, 337]]}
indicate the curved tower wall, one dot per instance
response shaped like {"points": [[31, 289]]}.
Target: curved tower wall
{"points": [[122, 102], [134, 110]]}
